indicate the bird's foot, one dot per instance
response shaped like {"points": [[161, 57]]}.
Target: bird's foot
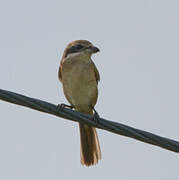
{"points": [[60, 107], [96, 117]]}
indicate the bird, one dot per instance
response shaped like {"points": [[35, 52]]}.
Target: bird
{"points": [[79, 77]]}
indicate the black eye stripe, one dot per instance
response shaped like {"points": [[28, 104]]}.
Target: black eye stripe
{"points": [[78, 46], [74, 49]]}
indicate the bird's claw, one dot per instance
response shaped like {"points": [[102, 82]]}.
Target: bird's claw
{"points": [[60, 107], [96, 116]]}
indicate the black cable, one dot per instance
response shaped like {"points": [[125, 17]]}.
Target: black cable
{"points": [[114, 127]]}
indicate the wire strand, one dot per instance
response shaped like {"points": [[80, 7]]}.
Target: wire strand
{"points": [[104, 124]]}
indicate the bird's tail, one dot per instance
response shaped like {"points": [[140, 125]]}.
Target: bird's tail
{"points": [[90, 149]]}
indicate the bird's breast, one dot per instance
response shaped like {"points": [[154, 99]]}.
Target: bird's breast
{"points": [[79, 83]]}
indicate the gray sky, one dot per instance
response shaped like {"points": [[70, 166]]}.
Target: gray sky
{"points": [[138, 64]]}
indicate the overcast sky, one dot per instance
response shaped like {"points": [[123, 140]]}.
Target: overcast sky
{"points": [[138, 64]]}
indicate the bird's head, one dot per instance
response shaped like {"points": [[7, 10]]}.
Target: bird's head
{"points": [[80, 48]]}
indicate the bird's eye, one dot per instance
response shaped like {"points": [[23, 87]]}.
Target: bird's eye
{"points": [[78, 46], [74, 49]]}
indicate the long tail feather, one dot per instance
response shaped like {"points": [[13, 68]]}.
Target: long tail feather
{"points": [[90, 149]]}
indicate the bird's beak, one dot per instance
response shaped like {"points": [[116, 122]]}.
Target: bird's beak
{"points": [[94, 49]]}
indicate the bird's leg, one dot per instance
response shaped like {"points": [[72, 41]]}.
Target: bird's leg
{"points": [[96, 116], [60, 107]]}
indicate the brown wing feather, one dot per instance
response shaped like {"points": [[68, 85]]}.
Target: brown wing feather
{"points": [[96, 73], [59, 73]]}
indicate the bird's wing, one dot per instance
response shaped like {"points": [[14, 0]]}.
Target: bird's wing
{"points": [[59, 73], [96, 73]]}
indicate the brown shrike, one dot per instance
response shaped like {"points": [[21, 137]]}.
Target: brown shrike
{"points": [[80, 77]]}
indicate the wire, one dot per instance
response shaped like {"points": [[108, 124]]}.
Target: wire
{"points": [[104, 124]]}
